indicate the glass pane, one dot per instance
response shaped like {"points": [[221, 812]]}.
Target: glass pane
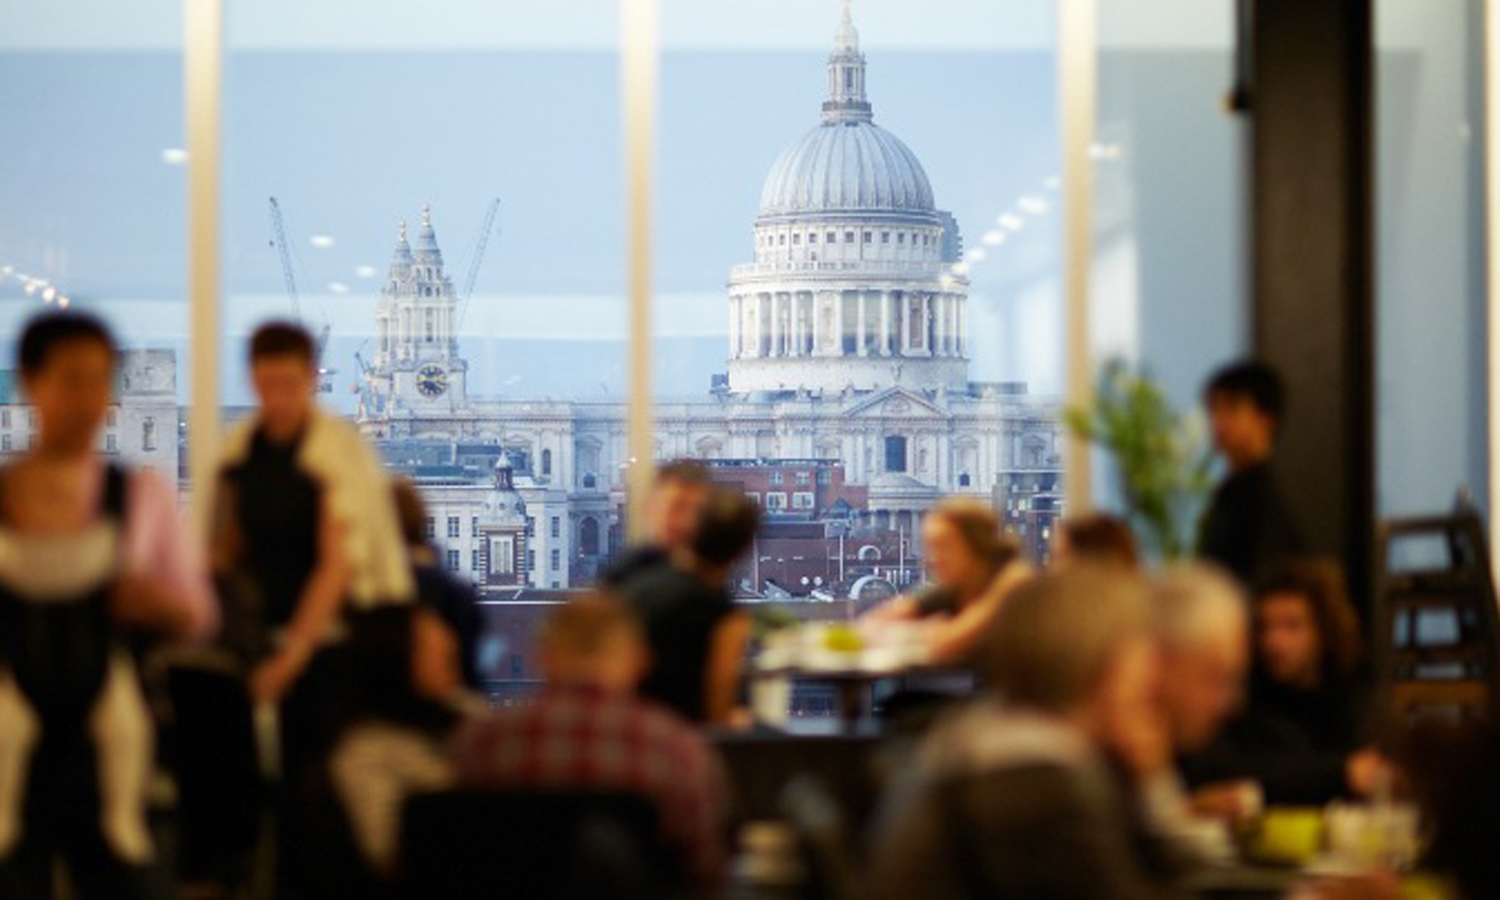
{"points": [[92, 208], [1430, 288], [878, 193], [439, 198]]}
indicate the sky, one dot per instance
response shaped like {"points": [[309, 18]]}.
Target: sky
{"points": [[350, 142]]}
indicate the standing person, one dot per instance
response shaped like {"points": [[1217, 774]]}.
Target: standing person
{"points": [[1248, 528], [677, 493], [92, 560], [307, 528], [697, 636]]}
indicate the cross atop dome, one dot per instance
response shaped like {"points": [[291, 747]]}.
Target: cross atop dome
{"points": [[846, 76]]}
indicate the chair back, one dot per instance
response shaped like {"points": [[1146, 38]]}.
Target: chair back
{"points": [[542, 845]]}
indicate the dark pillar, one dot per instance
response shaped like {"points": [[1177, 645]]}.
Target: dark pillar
{"points": [[1310, 99]]}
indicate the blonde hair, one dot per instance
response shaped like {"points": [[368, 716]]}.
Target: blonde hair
{"points": [[979, 529]]}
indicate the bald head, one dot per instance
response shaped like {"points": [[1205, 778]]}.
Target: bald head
{"points": [[1201, 625]]}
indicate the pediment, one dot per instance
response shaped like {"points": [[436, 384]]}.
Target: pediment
{"points": [[895, 403]]}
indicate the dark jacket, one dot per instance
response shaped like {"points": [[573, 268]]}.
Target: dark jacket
{"points": [[1296, 743], [1248, 529], [1004, 805]]}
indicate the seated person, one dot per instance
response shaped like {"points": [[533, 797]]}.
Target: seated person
{"points": [[1097, 538], [696, 634], [1018, 797], [1304, 735], [587, 729], [1201, 624], [677, 493], [972, 566], [451, 599]]}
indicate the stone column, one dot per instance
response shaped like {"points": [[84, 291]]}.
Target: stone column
{"points": [[838, 328], [777, 338], [859, 339], [886, 298]]}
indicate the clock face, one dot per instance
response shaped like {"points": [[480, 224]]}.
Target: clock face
{"points": [[432, 381]]}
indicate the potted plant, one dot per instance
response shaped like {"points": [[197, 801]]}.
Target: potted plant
{"points": [[1161, 460]]}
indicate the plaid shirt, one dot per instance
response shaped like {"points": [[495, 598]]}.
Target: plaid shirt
{"points": [[584, 737]]}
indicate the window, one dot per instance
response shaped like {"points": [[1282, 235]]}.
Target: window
{"points": [[557, 526], [804, 478], [803, 500], [531, 560], [776, 501], [825, 476], [776, 478], [556, 559], [848, 237], [453, 560], [4, 418], [474, 526], [546, 462], [812, 237], [885, 237], [901, 237], [869, 237], [797, 240], [895, 453], [429, 528], [963, 480], [453, 526], [111, 443], [588, 536], [148, 434], [831, 237], [474, 560], [502, 555], [589, 481], [5, 443], [781, 239]]}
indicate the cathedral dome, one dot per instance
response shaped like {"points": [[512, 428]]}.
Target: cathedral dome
{"points": [[846, 165]]}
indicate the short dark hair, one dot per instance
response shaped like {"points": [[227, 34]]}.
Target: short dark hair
{"points": [[410, 510], [48, 331], [1102, 538], [1254, 381], [282, 338], [725, 527], [683, 471]]}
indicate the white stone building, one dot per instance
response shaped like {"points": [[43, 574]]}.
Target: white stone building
{"points": [[847, 340]]}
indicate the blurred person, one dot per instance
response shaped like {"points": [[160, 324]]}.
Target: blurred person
{"points": [[1016, 794], [677, 493], [1248, 527], [306, 543], [451, 598], [587, 729], [1200, 625], [973, 567], [93, 561], [697, 636], [1304, 736], [1097, 539]]}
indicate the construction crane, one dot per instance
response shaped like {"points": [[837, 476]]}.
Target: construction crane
{"points": [[278, 240], [477, 260]]}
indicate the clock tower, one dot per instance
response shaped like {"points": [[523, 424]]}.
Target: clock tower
{"points": [[417, 367]]}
